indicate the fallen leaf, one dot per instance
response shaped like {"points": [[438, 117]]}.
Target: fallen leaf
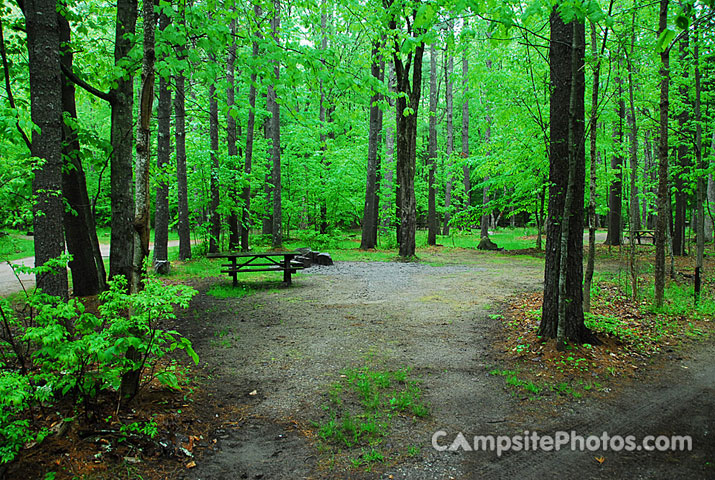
{"points": [[600, 460], [191, 464], [255, 392]]}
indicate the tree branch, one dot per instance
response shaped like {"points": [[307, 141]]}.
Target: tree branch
{"points": [[86, 86]]}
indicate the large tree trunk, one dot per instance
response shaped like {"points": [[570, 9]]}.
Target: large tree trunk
{"points": [[615, 199], [683, 167], [142, 215], [370, 212], [432, 224], [663, 195], [449, 100], [565, 125], [181, 179], [121, 254], [406, 110], [274, 108], [250, 128], [43, 45], [234, 238], [163, 155], [87, 266]]}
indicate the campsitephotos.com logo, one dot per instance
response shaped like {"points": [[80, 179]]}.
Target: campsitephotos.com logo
{"points": [[534, 441]]}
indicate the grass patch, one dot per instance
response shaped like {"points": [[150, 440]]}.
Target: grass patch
{"points": [[14, 246], [360, 409]]}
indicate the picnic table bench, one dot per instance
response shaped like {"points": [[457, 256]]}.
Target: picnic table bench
{"points": [[259, 262], [639, 234]]}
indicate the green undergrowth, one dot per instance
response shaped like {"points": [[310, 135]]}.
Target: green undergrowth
{"points": [[360, 411], [520, 384]]}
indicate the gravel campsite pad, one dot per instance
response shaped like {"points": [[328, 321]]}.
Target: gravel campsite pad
{"points": [[277, 352]]}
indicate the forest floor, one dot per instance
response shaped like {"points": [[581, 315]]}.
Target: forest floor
{"points": [[349, 372], [280, 358]]}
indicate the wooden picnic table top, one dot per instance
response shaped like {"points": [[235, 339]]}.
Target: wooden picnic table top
{"points": [[251, 254]]}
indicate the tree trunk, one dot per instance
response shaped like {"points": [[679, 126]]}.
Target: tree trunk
{"points": [[663, 195], [274, 108], [683, 167], [214, 214], [406, 110], [484, 221], [250, 127], [388, 166], [163, 157], [633, 150], [432, 224], [142, 214], [465, 127], [615, 199], [449, 100], [710, 199], [43, 45], [593, 133], [700, 165], [234, 237], [87, 266], [370, 213], [567, 122], [121, 254], [181, 180]]}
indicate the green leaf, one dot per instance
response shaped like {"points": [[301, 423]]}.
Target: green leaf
{"points": [[664, 40], [682, 22]]}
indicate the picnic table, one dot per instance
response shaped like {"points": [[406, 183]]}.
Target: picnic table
{"points": [[639, 234], [259, 262]]}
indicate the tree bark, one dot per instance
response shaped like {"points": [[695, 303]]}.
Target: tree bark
{"points": [[181, 179], [432, 224], [465, 127], [449, 100], [277, 234], [710, 199], [142, 214], [121, 254], [214, 214], [565, 126], [370, 212], [250, 128], [615, 199], [634, 222], [87, 266], [163, 154], [663, 195], [234, 238], [43, 46], [683, 167], [406, 110], [700, 165], [388, 166]]}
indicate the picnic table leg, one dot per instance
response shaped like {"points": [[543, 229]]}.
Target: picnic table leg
{"points": [[234, 273], [286, 270]]}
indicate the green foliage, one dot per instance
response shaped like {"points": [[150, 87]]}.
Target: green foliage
{"points": [[52, 348]]}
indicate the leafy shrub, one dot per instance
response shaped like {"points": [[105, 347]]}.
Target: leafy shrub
{"points": [[53, 348]]}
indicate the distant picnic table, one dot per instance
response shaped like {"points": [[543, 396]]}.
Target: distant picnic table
{"points": [[259, 262], [639, 234]]}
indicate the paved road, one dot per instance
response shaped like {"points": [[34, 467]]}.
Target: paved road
{"points": [[9, 283]]}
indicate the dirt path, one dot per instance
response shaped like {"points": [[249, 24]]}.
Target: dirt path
{"points": [[288, 345]]}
